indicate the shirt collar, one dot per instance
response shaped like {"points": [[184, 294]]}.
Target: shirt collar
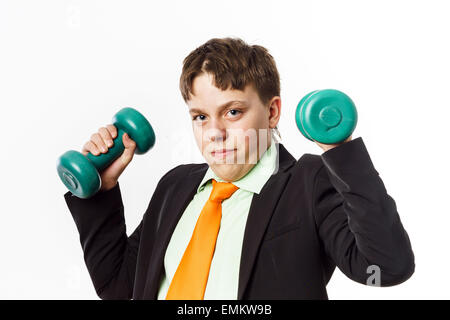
{"points": [[256, 178]]}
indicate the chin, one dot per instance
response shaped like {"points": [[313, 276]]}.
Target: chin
{"points": [[227, 172]]}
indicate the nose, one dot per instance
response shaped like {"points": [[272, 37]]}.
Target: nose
{"points": [[216, 132]]}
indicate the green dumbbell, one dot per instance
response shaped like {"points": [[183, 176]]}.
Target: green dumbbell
{"points": [[327, 116], [80, 173]]}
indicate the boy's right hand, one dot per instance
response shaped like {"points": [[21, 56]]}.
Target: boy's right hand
{"points": [[99, 143]]}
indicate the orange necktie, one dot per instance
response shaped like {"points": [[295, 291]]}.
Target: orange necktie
{"points": [[189, 281]]}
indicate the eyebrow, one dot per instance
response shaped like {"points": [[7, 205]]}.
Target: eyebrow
{"points": [[225, 105]]}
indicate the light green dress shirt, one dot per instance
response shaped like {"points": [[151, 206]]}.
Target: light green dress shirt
{"points": [[223, 277]]}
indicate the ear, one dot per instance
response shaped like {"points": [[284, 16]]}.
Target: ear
{"points": [[274, 109]]}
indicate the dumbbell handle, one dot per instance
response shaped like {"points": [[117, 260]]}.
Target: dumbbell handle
{"points": [[104, 160]]}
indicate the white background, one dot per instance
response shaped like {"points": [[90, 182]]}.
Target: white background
{"points": [[67, 66]]}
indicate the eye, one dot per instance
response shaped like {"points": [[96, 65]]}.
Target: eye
{"points": [[235, 112], [195, 117]]}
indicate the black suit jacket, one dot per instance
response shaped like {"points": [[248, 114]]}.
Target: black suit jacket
{"points": [[314, 214]]}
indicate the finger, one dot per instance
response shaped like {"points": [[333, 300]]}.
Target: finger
{"points": [[130, 146], [106, 136], [128, 142], [98, 140], [112, 130], [90, 147]]}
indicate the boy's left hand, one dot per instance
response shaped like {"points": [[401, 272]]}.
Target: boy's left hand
{"points": [[326, 147]]}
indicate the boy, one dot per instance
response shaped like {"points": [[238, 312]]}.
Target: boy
{"points": [[252, 222]]}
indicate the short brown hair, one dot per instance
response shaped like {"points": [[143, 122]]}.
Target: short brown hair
{"points": [[234, 64]]}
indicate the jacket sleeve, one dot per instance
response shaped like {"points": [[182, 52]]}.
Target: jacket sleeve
{"points": [[357, 220], [110, 255]]}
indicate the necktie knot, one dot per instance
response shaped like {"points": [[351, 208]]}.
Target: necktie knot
{"points": [[222, 190]]}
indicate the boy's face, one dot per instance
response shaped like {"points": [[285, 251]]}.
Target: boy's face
{"points": [[242, 127]]}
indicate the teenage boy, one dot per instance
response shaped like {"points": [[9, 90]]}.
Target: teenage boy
{"points": [[252, 222]]}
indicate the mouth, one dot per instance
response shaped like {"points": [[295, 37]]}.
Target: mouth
{"points": [[223, 153]]}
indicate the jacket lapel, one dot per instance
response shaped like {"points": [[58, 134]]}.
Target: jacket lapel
{"points": [[261, 209]]}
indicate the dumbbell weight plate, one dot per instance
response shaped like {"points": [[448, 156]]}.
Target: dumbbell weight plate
{"points": [[78, 174], [298, 118], [137, 127], [327, 116]]}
